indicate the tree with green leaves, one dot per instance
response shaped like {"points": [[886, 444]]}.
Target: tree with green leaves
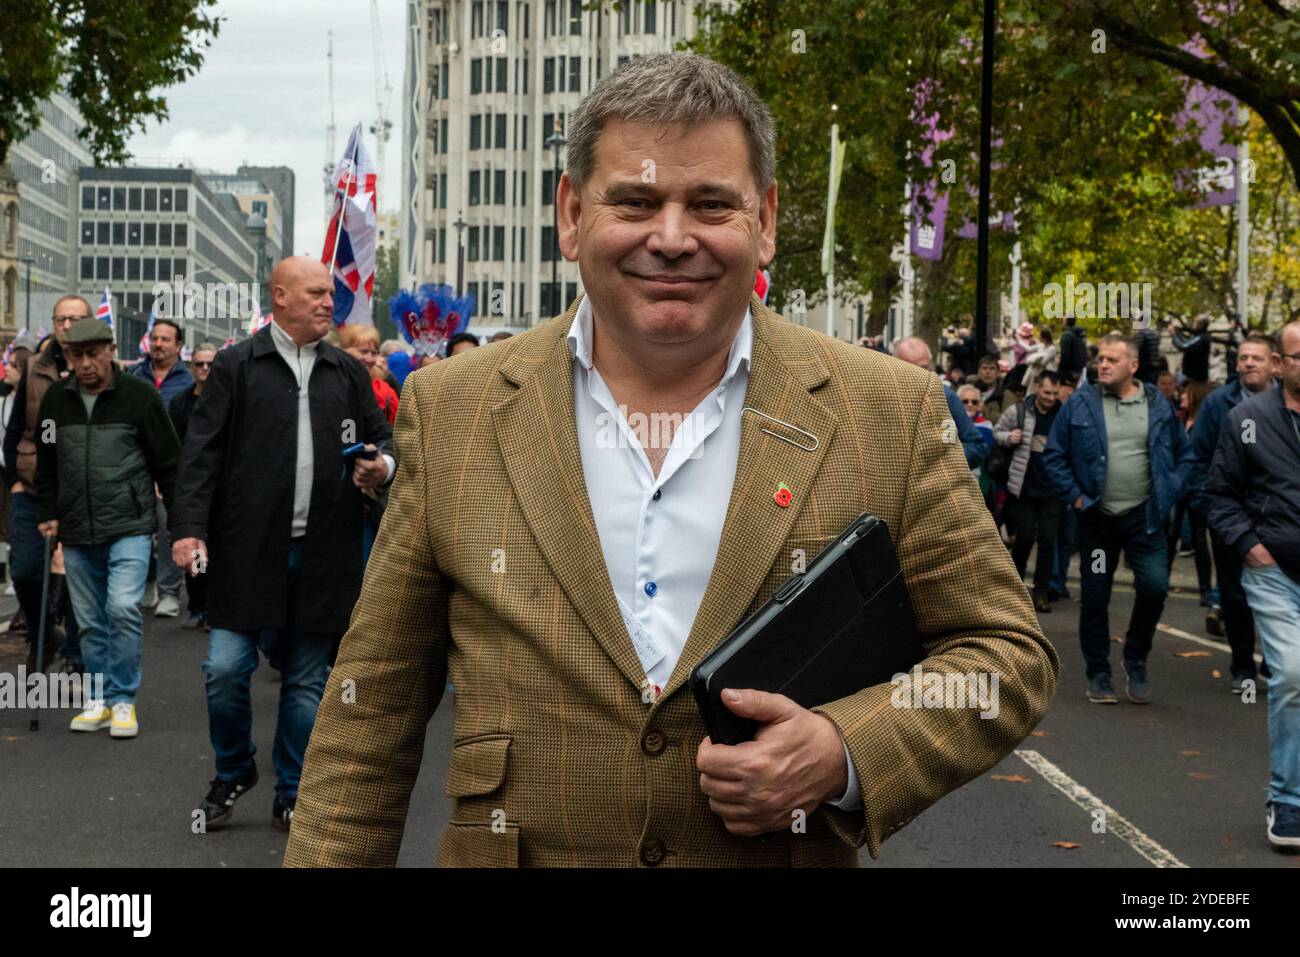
{"points": [[110, 57]]}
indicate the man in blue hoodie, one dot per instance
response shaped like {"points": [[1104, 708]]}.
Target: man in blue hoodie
{"points": [[1119, 455]]}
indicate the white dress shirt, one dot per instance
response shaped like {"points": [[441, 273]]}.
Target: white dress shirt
{"points": [[660, 534]]}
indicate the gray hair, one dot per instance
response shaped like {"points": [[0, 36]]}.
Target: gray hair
{"points": [[204, 347], [665, 90], [1116, 338]]}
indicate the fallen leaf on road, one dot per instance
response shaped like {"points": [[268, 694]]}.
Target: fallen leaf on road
{"points": [[1191, 654], [1039, 734], [1216, 673], [1016, 778], [1199, 775], [1068, 845], [1189, 754], [10, 738]]}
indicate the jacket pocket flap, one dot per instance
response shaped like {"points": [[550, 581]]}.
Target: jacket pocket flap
{"points": [[478, 765]]}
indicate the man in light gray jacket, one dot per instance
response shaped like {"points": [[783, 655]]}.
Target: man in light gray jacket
{"points": [[1035, 511]]}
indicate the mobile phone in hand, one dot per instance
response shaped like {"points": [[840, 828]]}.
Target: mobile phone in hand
{"points": [[359, 451]]}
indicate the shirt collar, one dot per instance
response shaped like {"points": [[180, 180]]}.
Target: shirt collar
{"points": [[285, 341], [579, 341]]}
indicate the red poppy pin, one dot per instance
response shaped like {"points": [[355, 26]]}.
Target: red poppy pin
{"points": [[783, 495]]}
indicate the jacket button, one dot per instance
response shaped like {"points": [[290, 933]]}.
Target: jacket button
{"points": [[653, 742], [652, 852]]}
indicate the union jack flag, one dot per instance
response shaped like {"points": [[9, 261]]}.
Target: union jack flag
{"points": [[104, 310], [351, 236]]}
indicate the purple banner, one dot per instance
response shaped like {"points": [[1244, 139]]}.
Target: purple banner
{"points": [[927, 230], [1216, 183]]}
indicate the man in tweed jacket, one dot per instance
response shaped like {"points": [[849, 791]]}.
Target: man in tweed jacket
{"points": [[566, 563]]}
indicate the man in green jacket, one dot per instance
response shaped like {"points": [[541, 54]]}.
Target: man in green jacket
{"points": [[103, 441]]}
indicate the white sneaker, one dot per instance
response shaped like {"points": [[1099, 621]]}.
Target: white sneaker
{"points": [[169, 606], [150, 596], [97, 715], [124, 723]]}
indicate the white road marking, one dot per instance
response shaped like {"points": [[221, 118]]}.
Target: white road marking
{"points": [[1116, 823], [1178, 632]]}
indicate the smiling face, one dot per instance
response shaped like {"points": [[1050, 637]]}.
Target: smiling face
{"points": [[668, 233]]}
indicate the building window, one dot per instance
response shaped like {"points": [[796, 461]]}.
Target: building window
{"points": [[472, 254], [164, 269], [474, 187], [101, 267], [548, 187], [119, 234], [442, 136], [523, 189], [503, 14], [119, 268], [101, 235], [181, 235], [150, 270], [499, 187], [150, 235], [442, 192], [476, 19], [570, 293], [525, 136], [649, 6], [182, 200], [549, 18], [503, 73], [119, 197], [446, 83], [150, 199], [499, 137], [178, 267], [548, 75], [105, 197], [475, 76], [133, 234], [442, 245], [133, 198], [487, 80], [164, 200], [133, 269], [88, 197], [523, 244], [548, 244], [575, 18], [498, 243], [164, 234], [475, 131], [625, 18], [524, 16], [87, 234], [87, 267], [575, 74]]}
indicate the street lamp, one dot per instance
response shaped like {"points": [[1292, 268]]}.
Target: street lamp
{"points": [[555, 141], [459, 224]]}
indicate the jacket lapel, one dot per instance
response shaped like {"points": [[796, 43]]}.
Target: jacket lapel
{"points": [[538, 438], [756, 527]]}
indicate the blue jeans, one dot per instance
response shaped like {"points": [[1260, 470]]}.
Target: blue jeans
{"points": [[1067, 534], [170, 575], [1101, 538], [1275, 601], [107, 584], [303, 660]]}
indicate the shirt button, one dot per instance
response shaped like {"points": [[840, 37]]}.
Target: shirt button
{"points": [[651, 588], [658, 492], [653, 742], [652, 852]]}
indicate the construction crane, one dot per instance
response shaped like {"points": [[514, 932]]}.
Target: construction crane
{"points": [[330, 156], [382, 128]]}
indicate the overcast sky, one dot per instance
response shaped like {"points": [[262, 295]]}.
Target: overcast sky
{"points": [[262, 97]]}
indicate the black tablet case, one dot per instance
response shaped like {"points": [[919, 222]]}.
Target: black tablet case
{"points": [[843, 625]]}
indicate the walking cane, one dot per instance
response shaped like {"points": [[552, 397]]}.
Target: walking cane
{"points": [[40, 635]]}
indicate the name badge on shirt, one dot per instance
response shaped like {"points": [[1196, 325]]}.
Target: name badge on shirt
{"points": [[647, 649]]}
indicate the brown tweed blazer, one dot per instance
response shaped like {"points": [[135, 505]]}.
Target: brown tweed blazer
{"points": [[488, 571]]}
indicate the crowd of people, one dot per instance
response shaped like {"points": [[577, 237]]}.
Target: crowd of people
{"points": [[146, 471], [1102, 450]]}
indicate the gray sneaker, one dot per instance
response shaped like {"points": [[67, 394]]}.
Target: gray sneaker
{"points": [[1139, 689], [1101, 691], [169, 606]]}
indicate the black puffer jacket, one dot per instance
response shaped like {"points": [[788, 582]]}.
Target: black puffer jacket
{"points": [[97, 477]]}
